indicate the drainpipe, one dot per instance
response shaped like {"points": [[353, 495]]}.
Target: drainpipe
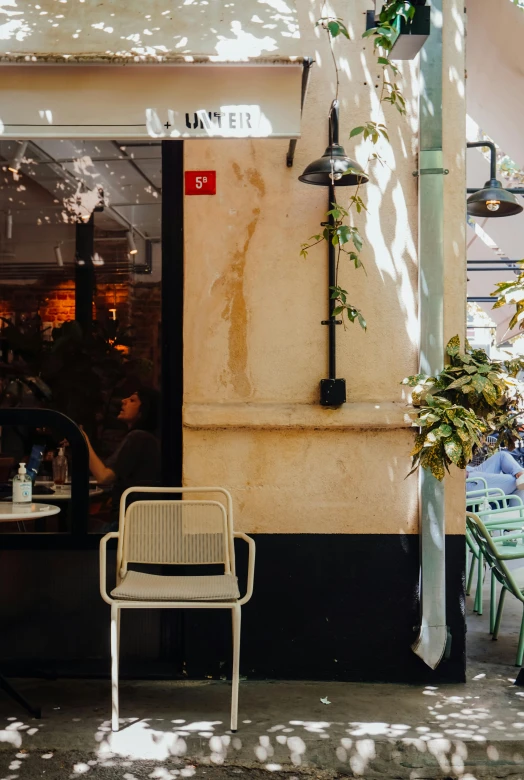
{"points": [[430, 644]]}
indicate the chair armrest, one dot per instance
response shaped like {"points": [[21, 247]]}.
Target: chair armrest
{"points": [[103, 554], [250, 565]]}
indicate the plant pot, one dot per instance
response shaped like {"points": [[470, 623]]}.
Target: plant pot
{"points": [[412, 34]]}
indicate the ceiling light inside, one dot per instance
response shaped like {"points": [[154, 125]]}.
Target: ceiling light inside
{"points": [[131, 243], [16, 162], [58, 255]]}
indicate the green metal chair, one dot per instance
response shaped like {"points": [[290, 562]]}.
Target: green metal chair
{"points": [[505, 517], [512, 580], [507, 513], [477, 500]]}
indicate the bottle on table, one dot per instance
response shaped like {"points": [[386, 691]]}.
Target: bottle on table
{"points": [[60, 468], [22, 486]]}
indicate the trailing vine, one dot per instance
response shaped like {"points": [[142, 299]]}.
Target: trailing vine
{"points": [[341, 233]]}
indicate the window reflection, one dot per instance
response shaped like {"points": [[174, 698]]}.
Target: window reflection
{"points": [[80, 273]]}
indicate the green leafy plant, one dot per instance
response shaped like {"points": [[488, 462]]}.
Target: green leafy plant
{"points": [[473, 396], [341, 233], [512, 293]]}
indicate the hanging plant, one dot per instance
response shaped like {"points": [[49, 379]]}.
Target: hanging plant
{"points": [[341, 233], [473, 396]]}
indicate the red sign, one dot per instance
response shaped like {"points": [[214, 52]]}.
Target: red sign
{"points": [[201, 182]]}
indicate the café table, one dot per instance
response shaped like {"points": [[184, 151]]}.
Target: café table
{"points": [[13, 513]]}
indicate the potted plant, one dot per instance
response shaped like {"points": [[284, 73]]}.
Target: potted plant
{"points": [[404, 24], [473, 396]]}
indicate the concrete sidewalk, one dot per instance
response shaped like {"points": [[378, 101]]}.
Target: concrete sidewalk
{"points": [[180, 729], [369, 730]]}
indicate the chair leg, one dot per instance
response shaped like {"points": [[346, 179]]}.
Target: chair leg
{"points": [[480, 582], [470, 575], [520, 650], [115, 650], [236, 619], [496, 627], [492, 603]]}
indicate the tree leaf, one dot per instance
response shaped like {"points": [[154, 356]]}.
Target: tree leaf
{"points": [[463, 380], [453, 448], [334, 28], [356, 131], [489, 392], [479, 382], [453, 346], [432, 460]]}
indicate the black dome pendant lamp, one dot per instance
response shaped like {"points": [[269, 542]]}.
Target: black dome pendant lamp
{"points": [[334, 168], [493, 200]]}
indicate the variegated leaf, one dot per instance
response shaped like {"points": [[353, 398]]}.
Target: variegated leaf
{"points": [[453, 449]]}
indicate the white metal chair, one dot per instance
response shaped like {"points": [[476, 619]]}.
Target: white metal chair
{"points": [[184, 531]]}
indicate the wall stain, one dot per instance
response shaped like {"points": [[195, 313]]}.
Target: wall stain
{"points": [[235, 311], [236, 170], [231, 284], [256, 180]]}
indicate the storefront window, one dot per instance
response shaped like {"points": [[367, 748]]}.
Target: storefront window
{"points": [[80, 307]]}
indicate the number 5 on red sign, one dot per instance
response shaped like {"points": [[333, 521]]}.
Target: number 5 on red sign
{"points": [[200, 182]]}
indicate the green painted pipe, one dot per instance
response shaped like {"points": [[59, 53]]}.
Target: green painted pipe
{"points": [[430, 644]]}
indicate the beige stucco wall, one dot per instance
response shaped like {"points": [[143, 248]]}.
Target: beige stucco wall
{"points": [[255, 350]]}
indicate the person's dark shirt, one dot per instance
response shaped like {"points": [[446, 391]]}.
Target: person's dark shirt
{"points": [[136, 462]]}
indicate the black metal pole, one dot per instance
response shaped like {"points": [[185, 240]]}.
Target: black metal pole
{"points": [[333, 123], [172, 310], [332, 390], [332, 274], [84, 274], [492, 155]]}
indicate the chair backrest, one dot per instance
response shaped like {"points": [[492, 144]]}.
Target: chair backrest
{"points": [[171, 531], [509, 509], [492, 554], [483, 498], [475, 480], [492, 499]]}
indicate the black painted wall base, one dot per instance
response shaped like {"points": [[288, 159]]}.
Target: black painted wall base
{"points": [[325, 607], [333, 607]]}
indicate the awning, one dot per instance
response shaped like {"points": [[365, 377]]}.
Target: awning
{"points": [[108, 69]]}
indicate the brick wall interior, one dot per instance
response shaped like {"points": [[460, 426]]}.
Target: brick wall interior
{"points": [[137, 306]]}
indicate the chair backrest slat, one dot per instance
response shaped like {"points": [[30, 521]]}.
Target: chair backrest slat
{"points": [[176, 532], [186, 531]]}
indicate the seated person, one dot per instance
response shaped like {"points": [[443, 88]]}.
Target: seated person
{"points": [[137, 460], [501, 470]]}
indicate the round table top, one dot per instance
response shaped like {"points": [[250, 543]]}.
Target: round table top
{"points": [[13, 512]]}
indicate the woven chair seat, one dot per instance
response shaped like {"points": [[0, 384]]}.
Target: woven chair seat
{"points": [[138, 586]]}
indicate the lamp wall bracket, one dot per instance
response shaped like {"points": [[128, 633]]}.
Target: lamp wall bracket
{"points": [[424, 171]]}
